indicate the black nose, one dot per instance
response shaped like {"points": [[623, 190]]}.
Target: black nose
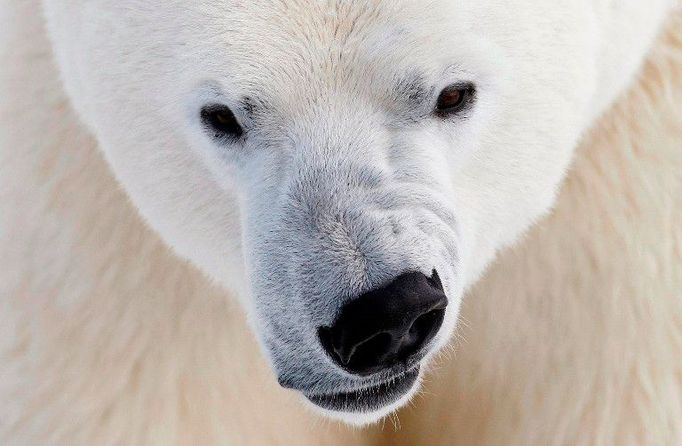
{"points": [[388, 325]]}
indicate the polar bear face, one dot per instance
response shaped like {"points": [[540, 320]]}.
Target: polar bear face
{"points": [[346, 168]]}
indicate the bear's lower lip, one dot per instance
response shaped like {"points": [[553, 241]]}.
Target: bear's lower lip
{"points": [[369, 398]]}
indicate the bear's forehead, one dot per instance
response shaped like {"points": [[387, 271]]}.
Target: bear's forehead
{"points": [[313, 33], [309, 47], [315, 21]]}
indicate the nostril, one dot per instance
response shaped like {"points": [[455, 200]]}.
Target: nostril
{"points": [[325, 334], [423, 329], [366, 353], [387, 325], [435, 280], [359, 354], [425, 322]]}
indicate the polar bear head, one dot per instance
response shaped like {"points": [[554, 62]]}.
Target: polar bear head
{"points": [[346, 168]]}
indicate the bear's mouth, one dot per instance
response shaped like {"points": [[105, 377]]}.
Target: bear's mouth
{"points": [[368, 398]]}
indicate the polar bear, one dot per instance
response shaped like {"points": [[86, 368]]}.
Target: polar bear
{"points": [[345, 171]]}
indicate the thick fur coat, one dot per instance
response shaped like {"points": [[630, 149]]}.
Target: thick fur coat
{"points": [[574, 336]]}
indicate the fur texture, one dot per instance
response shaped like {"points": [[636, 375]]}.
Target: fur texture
{"points": [[574, 337]]}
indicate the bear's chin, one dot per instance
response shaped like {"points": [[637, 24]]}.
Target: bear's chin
{"points": [[367, 409]]}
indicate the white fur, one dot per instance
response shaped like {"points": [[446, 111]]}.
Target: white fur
{"points": [[107, 339]]}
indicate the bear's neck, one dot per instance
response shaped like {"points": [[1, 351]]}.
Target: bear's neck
{"points": [[94, 305]]}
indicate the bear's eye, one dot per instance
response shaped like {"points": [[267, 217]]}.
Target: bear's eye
{"points": [[454, 99], [220, 121]]}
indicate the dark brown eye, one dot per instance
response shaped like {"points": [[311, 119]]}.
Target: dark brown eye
{"points": [[220, 121], [454, 99]]}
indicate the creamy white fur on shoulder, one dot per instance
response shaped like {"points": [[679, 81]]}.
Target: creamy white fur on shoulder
{"points": [[160, 276]]}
